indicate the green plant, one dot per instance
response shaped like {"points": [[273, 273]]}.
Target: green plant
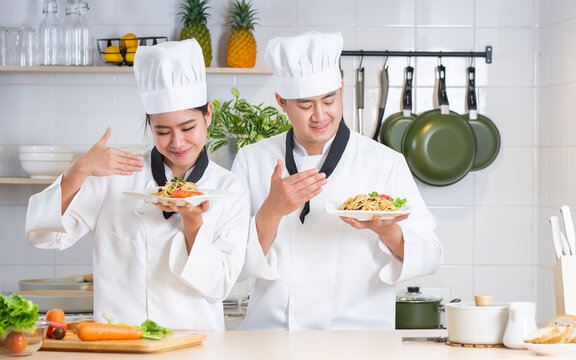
{"points": [[238, 119]]}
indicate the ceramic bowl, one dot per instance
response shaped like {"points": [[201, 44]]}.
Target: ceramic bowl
{"points": [[45, 156], [44, 149], [471, 324], [71, 301], [44, 169], [45, 284]]}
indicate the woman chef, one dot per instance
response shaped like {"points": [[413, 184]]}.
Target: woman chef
{"points": [[313, 270], [170, 264]]}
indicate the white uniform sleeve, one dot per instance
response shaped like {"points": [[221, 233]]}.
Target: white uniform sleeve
{"points": [[256, 264], [47, 228], [213, 265], [422, 249]]}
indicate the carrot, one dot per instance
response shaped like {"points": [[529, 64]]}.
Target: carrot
{"points": [[95, 331]]}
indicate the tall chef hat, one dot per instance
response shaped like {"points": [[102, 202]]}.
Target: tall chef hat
{"points": [[305, 65], [171, 76]]}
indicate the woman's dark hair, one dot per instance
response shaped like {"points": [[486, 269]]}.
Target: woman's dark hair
{"points": [[203, 109]]}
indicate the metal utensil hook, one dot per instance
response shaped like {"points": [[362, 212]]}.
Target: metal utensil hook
{"points": [[440, 59], [361, 58], [410, 59], [385, 62], [472, 59]]}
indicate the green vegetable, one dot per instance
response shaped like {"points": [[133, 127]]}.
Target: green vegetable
{"points": [[151, 330], [373, 194], [17, 313], [398, 202]]}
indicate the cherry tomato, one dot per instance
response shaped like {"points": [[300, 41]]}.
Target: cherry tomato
{"points": [[55, 315], [184, 193], [58, 333], [15, 342], [385, 197], [55, 325]]}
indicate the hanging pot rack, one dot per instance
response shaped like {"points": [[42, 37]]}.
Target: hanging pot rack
{"points": [[487, 54]]}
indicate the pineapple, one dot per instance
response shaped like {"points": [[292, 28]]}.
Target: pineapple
{"points": [[194, 14], [242, 45]]}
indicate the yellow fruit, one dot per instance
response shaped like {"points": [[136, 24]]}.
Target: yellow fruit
{"points": [[241, 49], [130, 52], [112, 55], [128, 41]]}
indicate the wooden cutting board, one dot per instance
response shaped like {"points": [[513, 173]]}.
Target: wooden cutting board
{"points": [[171, 342]]}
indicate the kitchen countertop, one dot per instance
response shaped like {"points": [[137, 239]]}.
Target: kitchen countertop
{"points": [[317, 345]]}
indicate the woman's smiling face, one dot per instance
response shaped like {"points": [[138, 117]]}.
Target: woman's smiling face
{"points": [[180, 137]]}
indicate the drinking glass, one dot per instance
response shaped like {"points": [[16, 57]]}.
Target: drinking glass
{"points": [[27, 47]]}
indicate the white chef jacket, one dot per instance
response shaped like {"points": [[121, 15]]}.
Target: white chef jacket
{"points": [[325, 274], [141, 266]]}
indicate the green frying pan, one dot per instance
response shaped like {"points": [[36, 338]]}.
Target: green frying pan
{"points": [[485, 131], [439, 146], [396, 124]]}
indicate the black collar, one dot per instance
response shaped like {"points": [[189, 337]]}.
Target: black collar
{"points": [[329, 165], [159, 174]]}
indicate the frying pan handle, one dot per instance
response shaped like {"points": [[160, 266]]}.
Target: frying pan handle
{"points": [[360, 88], [442, 96], [383, 88], [407, 93], [471, 92]]}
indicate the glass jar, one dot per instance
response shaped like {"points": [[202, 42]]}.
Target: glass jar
{"points": [[78, 36], [50, 35]]}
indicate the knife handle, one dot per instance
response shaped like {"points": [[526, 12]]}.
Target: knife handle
{"points": [[360, 88]]}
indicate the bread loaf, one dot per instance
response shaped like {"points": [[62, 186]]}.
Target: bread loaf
{"points": [[550, 335], [562, 320]]}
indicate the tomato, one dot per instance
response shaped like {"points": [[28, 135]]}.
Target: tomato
{"points": [[185, 193], [55, 315], [15, 342], [385, 197], [55, 325]]}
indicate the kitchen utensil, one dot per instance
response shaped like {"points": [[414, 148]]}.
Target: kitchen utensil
{"points": [[556, 240], [521, 322], [395, 125], [569, 228], [382, 103], [485, 131], [68, 300], [470, 324], [439, 146], [415, 310], [45, 284], [171, 342], [440, 339], [360, 98], [565, 246]]}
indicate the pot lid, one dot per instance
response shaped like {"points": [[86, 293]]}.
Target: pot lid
{"points": [[413, 295]]}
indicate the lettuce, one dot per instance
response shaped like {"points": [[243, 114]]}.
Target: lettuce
{"points": [[398, 202], [17, 313]]}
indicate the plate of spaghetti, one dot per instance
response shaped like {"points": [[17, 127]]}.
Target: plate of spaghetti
{"points": [[179, 192], [365, 206]]}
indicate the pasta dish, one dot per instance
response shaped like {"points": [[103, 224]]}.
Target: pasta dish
{"points": [[372, 202], [178, 188]]}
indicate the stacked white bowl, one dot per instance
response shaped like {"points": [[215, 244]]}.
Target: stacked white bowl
{"points": [[45, 161]]}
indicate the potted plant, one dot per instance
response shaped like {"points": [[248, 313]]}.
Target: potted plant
{"points": [[237, 123]]}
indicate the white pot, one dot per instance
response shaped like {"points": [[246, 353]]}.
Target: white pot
{"points": [[471, 324]]}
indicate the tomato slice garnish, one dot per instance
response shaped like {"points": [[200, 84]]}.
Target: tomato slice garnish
{"points": [[185, 193], [385, 197]]}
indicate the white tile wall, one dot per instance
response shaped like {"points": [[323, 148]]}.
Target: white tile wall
{"points": [[493, 223]]}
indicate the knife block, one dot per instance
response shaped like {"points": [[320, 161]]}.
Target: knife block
{"points": [[565, 285]]}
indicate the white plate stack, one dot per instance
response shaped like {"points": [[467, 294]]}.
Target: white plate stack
{"points": [[45, 161]]}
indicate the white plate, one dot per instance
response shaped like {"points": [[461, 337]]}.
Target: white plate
{"points": [[332, 208], [553, 349], [194, 200]]}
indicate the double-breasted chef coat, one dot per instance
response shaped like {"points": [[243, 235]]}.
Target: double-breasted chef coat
{"points": [[325, 274], [141, 266]]}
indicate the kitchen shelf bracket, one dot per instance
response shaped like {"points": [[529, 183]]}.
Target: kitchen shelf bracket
{"points": [[487, 54]]}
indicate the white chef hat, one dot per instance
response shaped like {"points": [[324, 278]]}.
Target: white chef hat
{"points": [[305, 65], [171, 76]]}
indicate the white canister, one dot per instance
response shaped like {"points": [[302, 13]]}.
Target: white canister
{"points": [[471, 324]]}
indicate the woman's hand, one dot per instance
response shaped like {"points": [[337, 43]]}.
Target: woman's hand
{"points": [[191, 216], [102, 160]]}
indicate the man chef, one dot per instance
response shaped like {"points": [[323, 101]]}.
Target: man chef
{"points": [[171, 264], [311, 269]]}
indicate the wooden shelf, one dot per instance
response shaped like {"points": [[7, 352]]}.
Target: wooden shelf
{"points": [[122, 69], [25, 180]]}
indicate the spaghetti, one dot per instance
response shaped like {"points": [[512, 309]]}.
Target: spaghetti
{"points": [[177, 185], [370, 203]]}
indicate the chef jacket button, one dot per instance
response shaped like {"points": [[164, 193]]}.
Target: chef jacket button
{"points": [[140, 211]]}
